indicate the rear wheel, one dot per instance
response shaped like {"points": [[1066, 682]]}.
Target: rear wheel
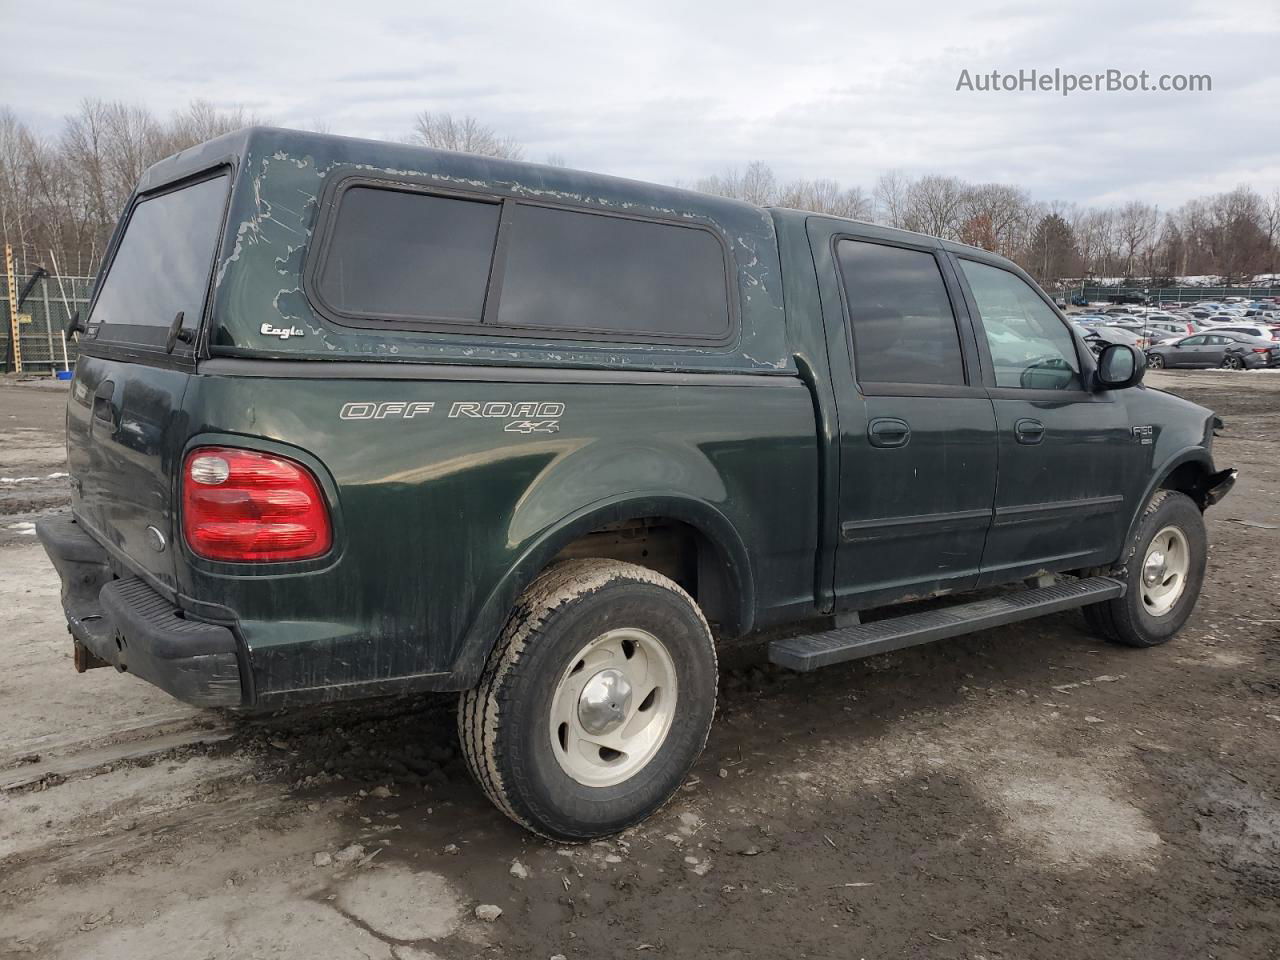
{"points": [[1155, 361], [595, 703], [1232, 363], [1164, 570]]}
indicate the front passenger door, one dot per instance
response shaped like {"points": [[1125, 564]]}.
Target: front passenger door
{"points": [[1066, 455]]}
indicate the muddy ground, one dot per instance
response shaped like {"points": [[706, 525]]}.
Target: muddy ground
{"points": [[1027, 792]]}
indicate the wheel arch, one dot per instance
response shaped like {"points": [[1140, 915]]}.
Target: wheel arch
{"points": [[715, 531], [1188, 471]]}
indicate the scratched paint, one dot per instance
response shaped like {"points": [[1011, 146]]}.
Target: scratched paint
{"points": [[280, 183]]}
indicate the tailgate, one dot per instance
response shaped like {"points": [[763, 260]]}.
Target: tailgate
{"points": [[125, 426], [124, 435]]}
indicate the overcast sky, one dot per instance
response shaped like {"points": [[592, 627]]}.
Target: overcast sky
{"points": [[675, 90]]}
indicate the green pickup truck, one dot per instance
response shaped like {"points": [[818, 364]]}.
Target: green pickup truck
{"points": [[356, 418]]}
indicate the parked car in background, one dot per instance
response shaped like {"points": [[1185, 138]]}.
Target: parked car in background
{"points": [[1173, 326], [1100, 337], [1262, 332], [1233, 351]]}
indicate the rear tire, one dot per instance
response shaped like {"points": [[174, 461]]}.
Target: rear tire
{"points": [[1164, 571], [595, 702], [1155, 361], [1232, 363]]}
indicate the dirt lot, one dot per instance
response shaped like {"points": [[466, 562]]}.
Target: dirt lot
{"points": [[1028, 792]]}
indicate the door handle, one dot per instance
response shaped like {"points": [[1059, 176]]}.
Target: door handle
{"points": [[1028, 431], [888, 432], [103, 408]]}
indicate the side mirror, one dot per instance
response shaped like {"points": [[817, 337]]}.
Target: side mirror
{"points": [[73, 327], [1120, 366]]}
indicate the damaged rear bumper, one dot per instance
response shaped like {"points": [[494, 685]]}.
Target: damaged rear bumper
{"points": [[125, 623]]}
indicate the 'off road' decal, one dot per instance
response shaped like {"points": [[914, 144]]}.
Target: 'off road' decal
{"points": [[522, 417]]}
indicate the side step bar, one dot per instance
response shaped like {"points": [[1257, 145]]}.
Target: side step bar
{"points": [[813, 650]]}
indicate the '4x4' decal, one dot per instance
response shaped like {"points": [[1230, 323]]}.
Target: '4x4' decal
{"points": [[533, 426]]}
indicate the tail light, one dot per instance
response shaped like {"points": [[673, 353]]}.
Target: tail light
{"points": [[244, 506], [1261, 349]]}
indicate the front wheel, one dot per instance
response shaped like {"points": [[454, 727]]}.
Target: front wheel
{"points": [[1155, 361], [1164, 570], [595, 703]]}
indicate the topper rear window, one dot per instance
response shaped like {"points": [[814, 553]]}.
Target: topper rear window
{"points": [[162, 265]]}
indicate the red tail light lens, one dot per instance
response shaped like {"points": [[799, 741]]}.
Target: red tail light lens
{"points": [[244, 506], [1261, 349]]}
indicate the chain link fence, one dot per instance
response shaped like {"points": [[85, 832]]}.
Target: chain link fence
{"points": [[42, 319], [1172, 294]]}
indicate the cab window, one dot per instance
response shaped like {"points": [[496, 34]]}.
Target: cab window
{"points": [[904, 330], [1030, 347]]}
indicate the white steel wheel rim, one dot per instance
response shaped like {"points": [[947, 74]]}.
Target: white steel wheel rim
{"points": [[613, 707], [1164, 571]]}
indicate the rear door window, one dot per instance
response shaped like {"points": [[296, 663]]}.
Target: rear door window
{"points": [[162, 265], [903, 325]]}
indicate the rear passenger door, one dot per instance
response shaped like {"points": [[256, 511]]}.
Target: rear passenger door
{"points": [[1065, 453], [917, 436]]}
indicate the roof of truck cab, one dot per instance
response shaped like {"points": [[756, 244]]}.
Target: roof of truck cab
{"points": [[882, 232]]}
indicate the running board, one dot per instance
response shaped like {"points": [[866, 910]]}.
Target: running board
{"points": [[813, 650]]}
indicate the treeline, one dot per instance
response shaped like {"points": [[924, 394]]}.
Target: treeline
{"points": [[61, 194], [1233, 235]]}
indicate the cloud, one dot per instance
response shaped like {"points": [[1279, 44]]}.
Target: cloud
{"points": [[680, 90]]}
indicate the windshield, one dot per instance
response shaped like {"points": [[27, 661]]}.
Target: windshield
{"points": [[162, 265]]}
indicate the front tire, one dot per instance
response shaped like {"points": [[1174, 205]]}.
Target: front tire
{"points": [[595, 702], [1155, 361], [1164, 571]]}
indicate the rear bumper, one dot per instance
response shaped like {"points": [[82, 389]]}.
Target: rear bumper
{"points": [[127, 624]]}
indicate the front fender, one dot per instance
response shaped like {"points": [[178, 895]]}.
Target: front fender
{"points": [[1192, 454], [542, 548]]}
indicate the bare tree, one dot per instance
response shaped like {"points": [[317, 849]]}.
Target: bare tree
{"points": [[202, 121], [756, 184], [998, 215], [827, 196], [1136, 225], [1271, 219], [935, 205], [465, 134], [890, 197]]}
